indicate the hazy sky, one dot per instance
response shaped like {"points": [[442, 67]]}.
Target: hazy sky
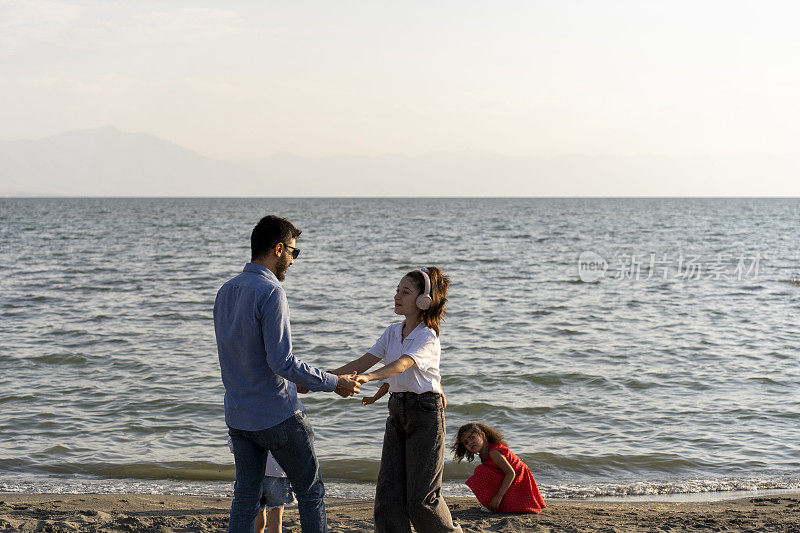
{"points": [[539, 78]]}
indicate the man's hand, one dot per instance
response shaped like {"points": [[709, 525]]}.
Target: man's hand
{"points": [[348, 385], [302, 390], [368, 400]]}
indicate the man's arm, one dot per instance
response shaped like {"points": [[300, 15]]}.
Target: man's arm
{"points": [[277, 337], [346, 385]]}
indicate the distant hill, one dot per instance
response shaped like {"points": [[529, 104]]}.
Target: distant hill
{"points": [[110, 162]]}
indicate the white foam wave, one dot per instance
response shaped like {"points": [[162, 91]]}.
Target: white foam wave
{"points": [[691, 489]]}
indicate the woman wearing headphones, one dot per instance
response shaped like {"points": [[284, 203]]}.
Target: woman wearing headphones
{"points": [[412, 462]]}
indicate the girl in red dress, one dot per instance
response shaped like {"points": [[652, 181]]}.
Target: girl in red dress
{"points": [[502, 482]]}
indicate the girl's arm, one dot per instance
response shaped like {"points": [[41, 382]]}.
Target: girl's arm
{"points": [[504, 465], [362, 364], [392, 369], [378, 395], [365, 362]]}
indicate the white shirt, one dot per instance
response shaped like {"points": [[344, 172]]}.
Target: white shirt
{"points": [[421, 345]]}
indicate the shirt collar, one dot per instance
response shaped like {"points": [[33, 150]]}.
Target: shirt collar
{"points": [[414, 331], [258, 269]]}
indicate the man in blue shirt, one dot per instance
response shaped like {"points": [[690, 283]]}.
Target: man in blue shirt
{"points": [[261, 376]]}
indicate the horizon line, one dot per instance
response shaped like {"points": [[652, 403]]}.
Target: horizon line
{"points": [[54, 197]]}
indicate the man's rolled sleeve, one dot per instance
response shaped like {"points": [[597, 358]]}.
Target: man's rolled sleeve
{"points": [[276, 332]]}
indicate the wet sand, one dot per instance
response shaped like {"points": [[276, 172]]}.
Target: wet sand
{"points": [[158, 513]]}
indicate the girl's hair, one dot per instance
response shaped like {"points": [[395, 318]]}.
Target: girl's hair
{"points": [[435, 314], [491, 435]]}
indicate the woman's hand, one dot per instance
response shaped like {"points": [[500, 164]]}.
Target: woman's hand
{"points": [[348, 385]]}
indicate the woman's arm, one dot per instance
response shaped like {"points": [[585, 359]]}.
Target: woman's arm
{"points": [[392, 369], [362, 364], [504, 465]]}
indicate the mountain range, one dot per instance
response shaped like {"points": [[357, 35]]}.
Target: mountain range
{"points": [[109, 162]]}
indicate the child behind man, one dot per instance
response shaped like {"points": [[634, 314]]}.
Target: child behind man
{"points": [[276, 492]]}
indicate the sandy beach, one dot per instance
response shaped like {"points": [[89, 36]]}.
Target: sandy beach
{"points": [[137, 512]]}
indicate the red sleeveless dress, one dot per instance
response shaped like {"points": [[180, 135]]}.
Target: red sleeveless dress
{"points": [[523, 494]]}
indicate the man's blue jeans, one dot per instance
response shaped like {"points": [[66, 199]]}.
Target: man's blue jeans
{"points": [[292, 444]]}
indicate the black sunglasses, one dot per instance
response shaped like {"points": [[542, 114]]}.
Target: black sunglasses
{"points": [[295, 251]]}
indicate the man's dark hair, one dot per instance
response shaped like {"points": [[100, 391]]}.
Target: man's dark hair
{"points": [[269, 231]]}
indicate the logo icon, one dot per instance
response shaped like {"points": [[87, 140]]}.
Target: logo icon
{"points": [[591, 267]]}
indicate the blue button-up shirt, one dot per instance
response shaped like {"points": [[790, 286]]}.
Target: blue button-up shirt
{"points": [[254, 341]]}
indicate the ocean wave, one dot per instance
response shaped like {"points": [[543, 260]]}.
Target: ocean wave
{"points": [[672, 487], [67, 461], [614, 465], [67, 359], [697, 489], [174, 470]]}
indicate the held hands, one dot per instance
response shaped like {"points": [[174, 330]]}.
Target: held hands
{"points": [[349, 384], [346, 386]]}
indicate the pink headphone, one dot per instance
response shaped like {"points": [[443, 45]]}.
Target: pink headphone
{"points": [[424, 300]]}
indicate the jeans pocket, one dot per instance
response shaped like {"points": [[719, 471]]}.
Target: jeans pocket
{"points": [[273, 438], [429, 404], [302, 427]]}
